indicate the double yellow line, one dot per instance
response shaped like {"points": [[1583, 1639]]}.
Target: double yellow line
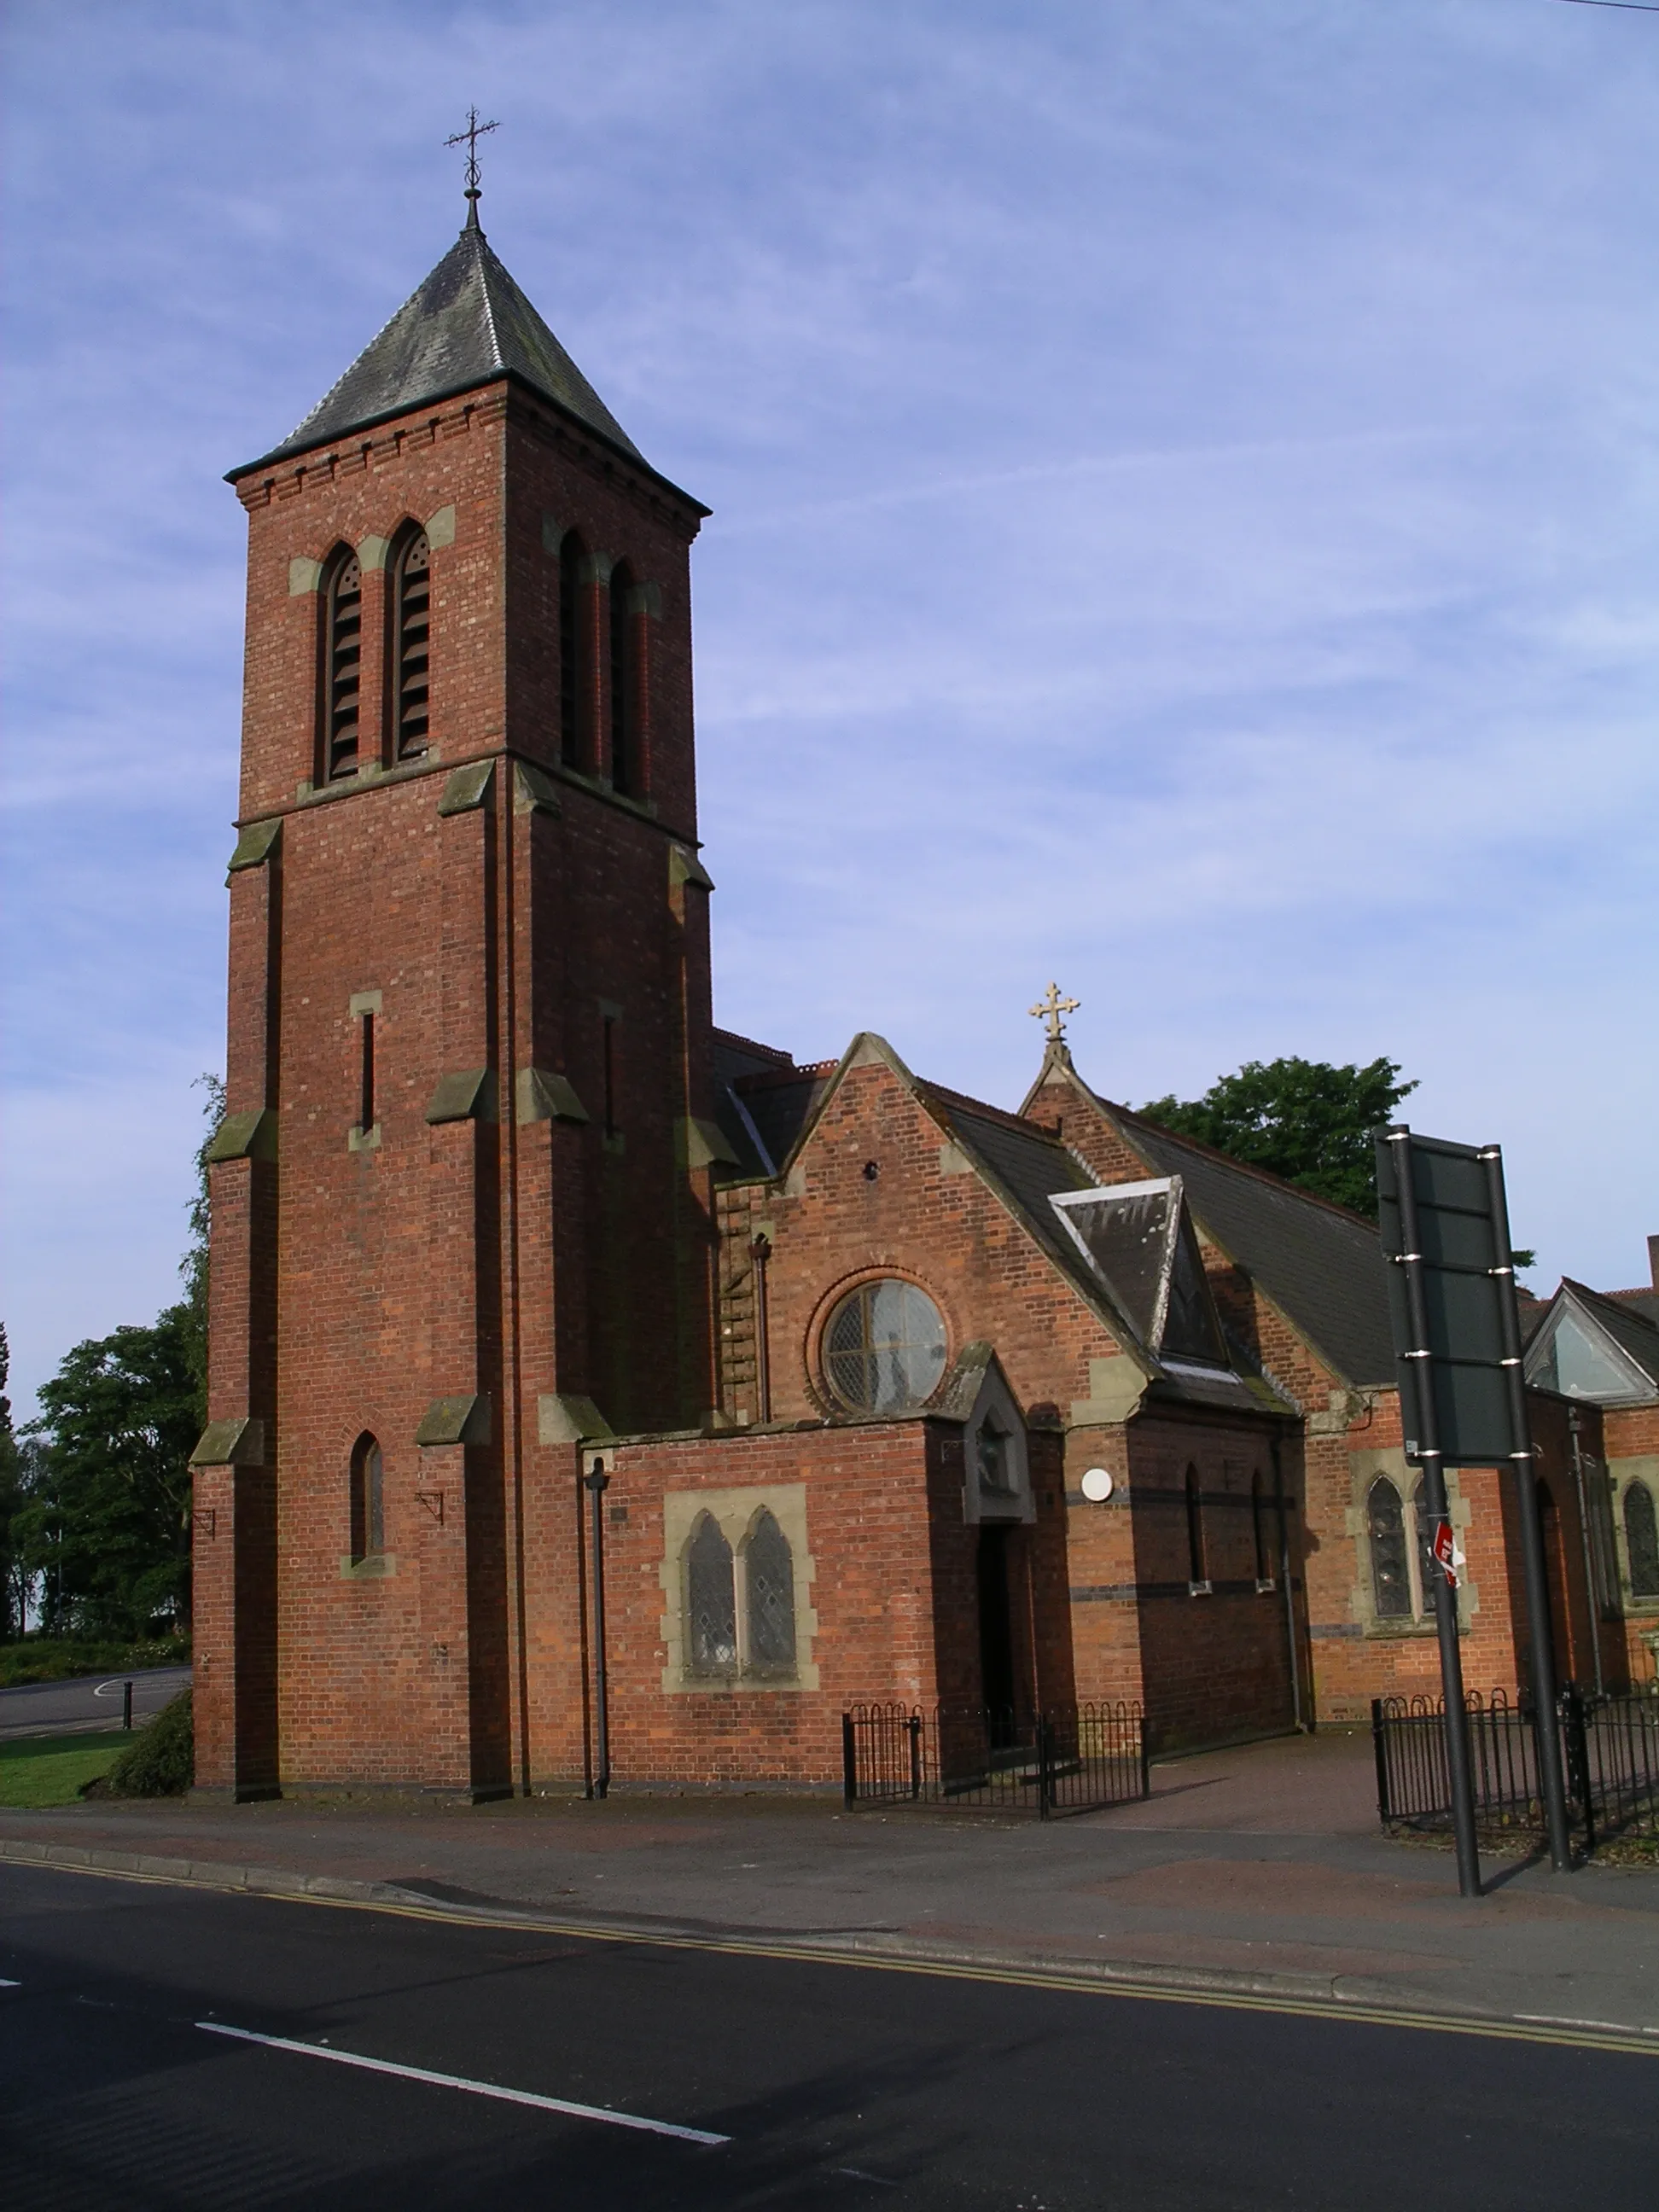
{"points": [[1576, 2035]]}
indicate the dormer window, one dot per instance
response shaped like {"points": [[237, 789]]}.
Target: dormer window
{"points": [[411, 634], [342, 664]]}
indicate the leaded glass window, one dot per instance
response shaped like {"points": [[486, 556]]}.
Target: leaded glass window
{"points": [[1642, 1541], [770, 1575], [711, 1602], [884, 1350], [1391, 1576]]}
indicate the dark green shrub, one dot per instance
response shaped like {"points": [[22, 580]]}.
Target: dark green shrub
{"points": [[161, 1761]]}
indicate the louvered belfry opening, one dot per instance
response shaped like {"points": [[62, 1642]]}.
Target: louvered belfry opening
{"points": [[343, 654], [411, 645]]}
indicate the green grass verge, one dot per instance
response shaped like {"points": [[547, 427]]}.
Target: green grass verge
{"points": [[41, 1770]]}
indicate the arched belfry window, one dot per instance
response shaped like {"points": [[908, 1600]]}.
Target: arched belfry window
{"points": [[1641, 1540], [624, 685], [411, 602], [367, 1500], [572, 652], [1391, 1577], [341, 662], [769, 1598], [711, 1603]]}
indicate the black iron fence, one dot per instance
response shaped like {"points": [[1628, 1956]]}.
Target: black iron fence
{"points": [[1070, 1758], [1609, 1752]]}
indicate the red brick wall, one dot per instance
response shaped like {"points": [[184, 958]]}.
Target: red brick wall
{"points": [[477, 1257]]}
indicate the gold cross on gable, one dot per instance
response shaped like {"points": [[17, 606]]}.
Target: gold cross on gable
{"points": [[1050, 1008]]}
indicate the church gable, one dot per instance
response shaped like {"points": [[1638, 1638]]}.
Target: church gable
{"points": [[1589, 1346]]}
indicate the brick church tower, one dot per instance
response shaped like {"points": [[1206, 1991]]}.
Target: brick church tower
{"points": [[462, 1195]]}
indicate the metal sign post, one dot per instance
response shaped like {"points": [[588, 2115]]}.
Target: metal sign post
{"points": [[1424, 1446], [1551, 1779], [1463, 1403]]}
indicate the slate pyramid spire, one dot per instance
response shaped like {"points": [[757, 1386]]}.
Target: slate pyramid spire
{"points": [[467, 324]]}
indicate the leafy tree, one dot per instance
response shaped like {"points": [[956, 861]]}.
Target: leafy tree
{"points": [[105, 1513], [14, 1587], [1302, 1119], [108, 1524]]}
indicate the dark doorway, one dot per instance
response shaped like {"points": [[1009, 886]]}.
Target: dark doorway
{"points": [[996, 1632]]}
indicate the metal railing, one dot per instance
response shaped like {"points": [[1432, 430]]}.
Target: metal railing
{"points": [[1609, 1752], [1069, 1758]]}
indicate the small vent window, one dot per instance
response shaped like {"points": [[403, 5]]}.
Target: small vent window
{"points": [[343, 654], [411, 647]]}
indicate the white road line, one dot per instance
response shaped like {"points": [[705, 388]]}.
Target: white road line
{"points": [[5, 1984], [458, 2082]]}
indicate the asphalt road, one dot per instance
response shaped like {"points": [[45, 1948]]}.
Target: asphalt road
{"points": [[830, 2086], [90, 1701]]}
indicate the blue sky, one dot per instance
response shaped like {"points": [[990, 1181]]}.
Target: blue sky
{"points": [[1185, 523]]}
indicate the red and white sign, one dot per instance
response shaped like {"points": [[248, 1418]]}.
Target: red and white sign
{"points": [[1447, 1555]]}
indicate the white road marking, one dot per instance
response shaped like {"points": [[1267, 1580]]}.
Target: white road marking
{"points": [[5, 1984], [477, 2088]]}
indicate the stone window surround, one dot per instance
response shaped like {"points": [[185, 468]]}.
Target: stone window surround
{"points": [[1621, 1473], [735, 1511], [1364, 1468]]}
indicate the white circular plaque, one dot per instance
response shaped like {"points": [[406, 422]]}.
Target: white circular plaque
{"points": [[1097, 1485]]}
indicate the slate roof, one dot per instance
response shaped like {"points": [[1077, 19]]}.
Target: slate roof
{"points": [[762, 1101], [1644, 1302], [1033, 1167], [467, 324], [1321, 1264]]}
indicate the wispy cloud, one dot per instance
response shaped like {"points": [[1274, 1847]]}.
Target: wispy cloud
{"points": [[1185, 484]]}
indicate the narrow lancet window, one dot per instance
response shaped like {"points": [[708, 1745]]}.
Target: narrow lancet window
{"points": [[1642, 1541], [711, 1603], [622, 675], [572, 659], [367, 1501], [411, 645], [342, 672], [1264, 1557], [1385, 1523], [1197, 1575], [366, 1102]]}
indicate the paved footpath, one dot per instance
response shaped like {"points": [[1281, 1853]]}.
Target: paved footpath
{"points": [[1258, 1869]]}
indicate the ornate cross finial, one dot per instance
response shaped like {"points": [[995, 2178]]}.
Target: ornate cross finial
{"points": [[1050, 1008], [470, 138]]}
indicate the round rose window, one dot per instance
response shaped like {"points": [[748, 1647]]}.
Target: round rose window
{"points": [[884, 1349]]}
